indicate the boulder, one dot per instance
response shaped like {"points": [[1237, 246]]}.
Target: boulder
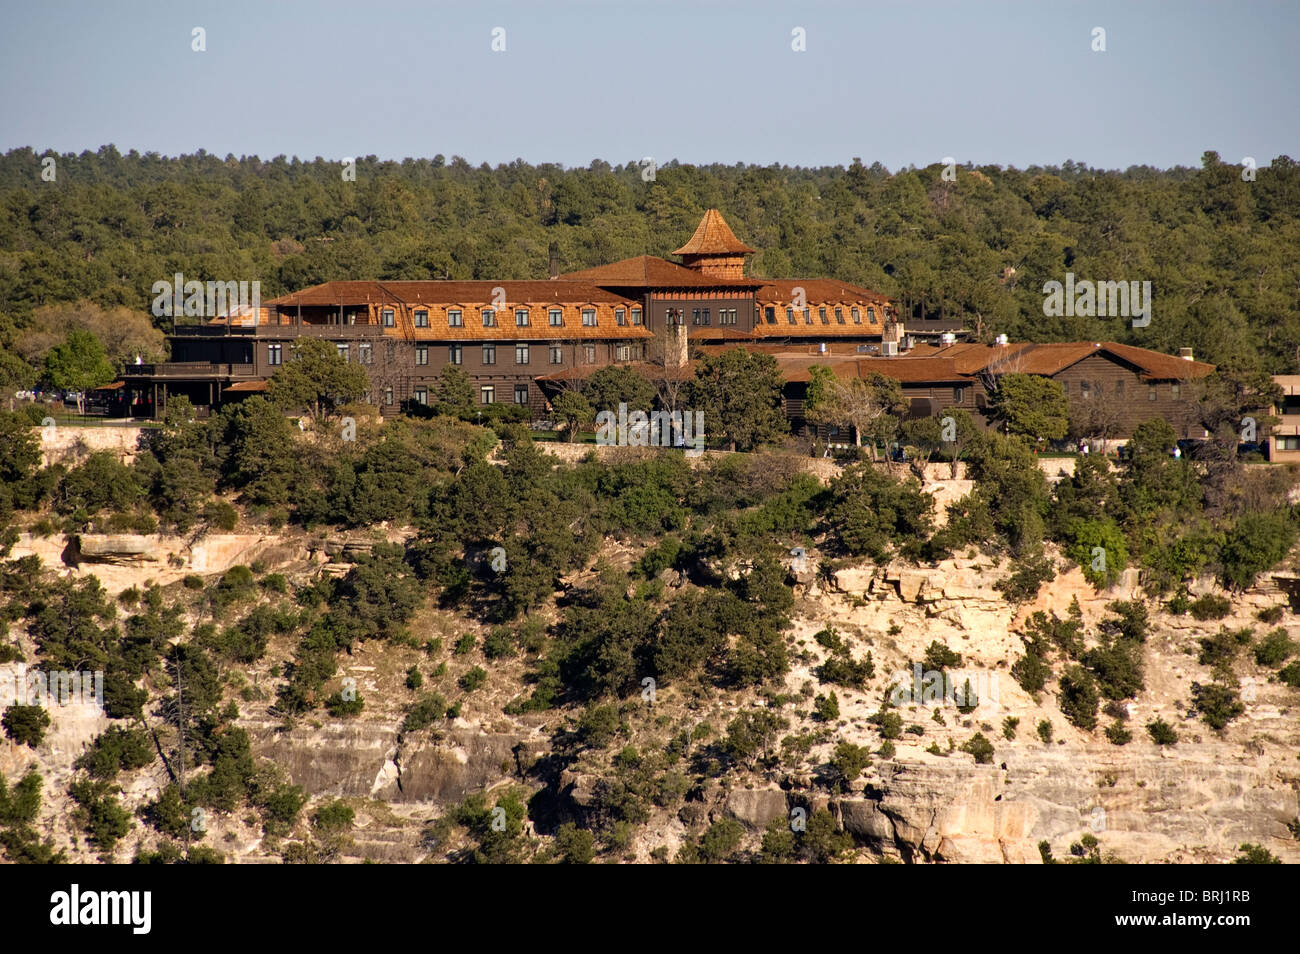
{"points": [[863, 819], [912, 585], [855, 579], [117, 548], [756, 807]]}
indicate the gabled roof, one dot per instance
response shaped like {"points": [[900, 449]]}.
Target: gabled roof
{"points": [[1052, 358], [645, 271], [713, 236], [1156, 365], [798, 367], [816, 291], [446, 292]]}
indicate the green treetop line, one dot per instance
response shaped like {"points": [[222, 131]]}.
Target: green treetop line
{"points": [[1220, 252]]}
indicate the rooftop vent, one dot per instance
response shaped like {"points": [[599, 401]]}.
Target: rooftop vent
{"points": [[1000, 339], [889, 348], [948, 338], [1185, 354]]}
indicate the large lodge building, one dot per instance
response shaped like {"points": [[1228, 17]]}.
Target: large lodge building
{"points": [[516, 339]]}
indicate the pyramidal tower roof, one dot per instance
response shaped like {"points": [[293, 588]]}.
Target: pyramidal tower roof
{"points": [[713, 236]]}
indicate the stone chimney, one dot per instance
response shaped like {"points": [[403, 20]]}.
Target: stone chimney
{"points": [[677, 348], [554, 264]]}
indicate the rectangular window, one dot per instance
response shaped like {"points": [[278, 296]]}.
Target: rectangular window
{"points": [[388, 317], [1084, 390], [821, 313], [487, 394], [489, 317], [421, 354], [557, 354], [589, 317], [274, 353], [521, 354], [489, 354], [1288, 443], [421, 396], [706, 316], [421, 319], [1176, 391], [344, 350], [589, 353], [839, 315], [388, 395], [521, 317], [454, 354], [620, 316], [769, 315], [696, 318], [871, 315], [521, 394], [454, 319], [789, 315], [857, 316], [365, 352], [807, 316], [557, 318], [636, 316], [1153, 393]]}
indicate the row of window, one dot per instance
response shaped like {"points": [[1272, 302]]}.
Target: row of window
{"points": [[523, 317], [855, 313], [624, 316], [1091, 389], [523, 353], [365, 352], [487, 394], [455, 353]]}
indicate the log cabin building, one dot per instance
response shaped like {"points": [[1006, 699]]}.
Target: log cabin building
{"points": [[517, 340], [507, 334], [1111, 387]]}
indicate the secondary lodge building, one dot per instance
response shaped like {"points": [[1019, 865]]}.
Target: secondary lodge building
{"points": [[516, 339]]}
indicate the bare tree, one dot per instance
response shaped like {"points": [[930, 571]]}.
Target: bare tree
{"points": [[668, 378], [1097, 418]]}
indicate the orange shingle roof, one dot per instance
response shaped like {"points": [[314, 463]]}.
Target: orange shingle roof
{"points": [[648, 270], [445, 292], [713, 236], [1156, 365], [1054, 357], [816, 291]]}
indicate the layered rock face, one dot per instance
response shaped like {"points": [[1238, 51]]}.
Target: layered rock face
{"points": [[1196, 801]]}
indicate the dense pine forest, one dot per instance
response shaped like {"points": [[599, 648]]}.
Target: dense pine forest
{"points": [[484, 589], [1217, 243]]}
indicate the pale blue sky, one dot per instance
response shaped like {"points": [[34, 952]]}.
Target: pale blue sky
{"points": [[1014, 83]]}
